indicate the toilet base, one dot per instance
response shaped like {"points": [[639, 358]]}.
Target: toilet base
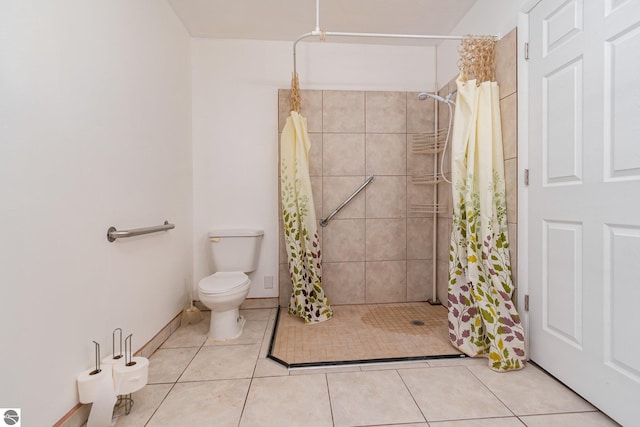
{"points": [[226, 325]]}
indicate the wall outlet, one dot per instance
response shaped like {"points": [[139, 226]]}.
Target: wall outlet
{"points": [[268, 282]]}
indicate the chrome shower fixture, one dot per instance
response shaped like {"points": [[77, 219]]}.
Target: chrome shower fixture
{"points": [[424, 95]]}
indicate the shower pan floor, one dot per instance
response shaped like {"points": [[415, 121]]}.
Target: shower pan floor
{"points": [[364, 333]]}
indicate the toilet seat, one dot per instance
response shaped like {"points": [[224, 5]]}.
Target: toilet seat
{"points": [[222, 282]]}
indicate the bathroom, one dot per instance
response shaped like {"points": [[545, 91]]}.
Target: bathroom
{"points": [[113, 114]]}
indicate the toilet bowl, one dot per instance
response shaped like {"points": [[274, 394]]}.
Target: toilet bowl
{"points": [[234, 252], [223, 293]]}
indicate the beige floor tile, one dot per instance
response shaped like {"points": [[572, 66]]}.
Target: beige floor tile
{"points": [[393, 365], [287, 401], [206, 403], [266, 340], [371, 398], [167, 364], [433, 388], [484, 422], [269, 368], [256, 313], [458, 361], [145, 402], [406, 425], [583, 419], [189, 335], [531, 391], [224, 362]]}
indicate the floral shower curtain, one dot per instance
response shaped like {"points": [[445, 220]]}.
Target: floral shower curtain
{"points": [[482, 317], [308, 300]]}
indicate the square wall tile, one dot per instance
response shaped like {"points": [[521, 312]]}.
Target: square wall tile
{"points": [[419, 279], [342, 154], [442, 287], [386, 154], [336, 190], [511, 188], [420, 238], [285, 287], [344, 241], [386, 112], [343, 111], [513, 251], [445, 200], [419, 163], [420, 114], [386, 197], [506, 64], [418, 194], [311, 109], [386, 281], [343, 282], [509, 120], [386, 239], [444, 239], [317, 185], [315, 154]]}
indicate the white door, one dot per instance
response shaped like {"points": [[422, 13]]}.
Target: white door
{"points": [[584, 199]]}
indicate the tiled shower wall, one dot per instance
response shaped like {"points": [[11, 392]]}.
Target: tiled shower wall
{"points": [[376, 249], [506, 76]]}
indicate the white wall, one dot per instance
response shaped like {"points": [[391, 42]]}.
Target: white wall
{"points": [[235, 125], [497, 17], [95, 131]]}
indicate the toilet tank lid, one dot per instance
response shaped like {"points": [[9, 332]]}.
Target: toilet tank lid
{"points": [[239, 232]]}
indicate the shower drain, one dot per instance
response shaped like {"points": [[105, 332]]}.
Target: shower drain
{"points": [[417, 322]]}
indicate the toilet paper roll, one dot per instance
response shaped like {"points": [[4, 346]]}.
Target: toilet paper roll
{"points": [[89, 385], [128, 379], [101, 414], [109, 360]]}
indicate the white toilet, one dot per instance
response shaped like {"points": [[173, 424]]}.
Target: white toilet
{"points": [[235, 252]]}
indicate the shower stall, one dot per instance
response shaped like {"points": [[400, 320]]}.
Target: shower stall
{"points": [[389, 246]]}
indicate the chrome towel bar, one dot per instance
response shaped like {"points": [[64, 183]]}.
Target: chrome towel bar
{"points": [[113, 234], [325, 222]]}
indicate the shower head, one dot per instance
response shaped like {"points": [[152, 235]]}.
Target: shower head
{"points": [[424, 95]]}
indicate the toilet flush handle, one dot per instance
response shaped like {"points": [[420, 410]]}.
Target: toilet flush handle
{"points": [[214, 239]]}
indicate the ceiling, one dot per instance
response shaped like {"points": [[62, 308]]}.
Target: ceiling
{"points": [[288, 19]]}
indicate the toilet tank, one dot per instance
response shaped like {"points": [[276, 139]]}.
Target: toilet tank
{"points": [[235, 250]]}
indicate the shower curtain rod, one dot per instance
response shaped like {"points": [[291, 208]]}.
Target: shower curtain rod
{"points": [[318, 32], [322, 34]]}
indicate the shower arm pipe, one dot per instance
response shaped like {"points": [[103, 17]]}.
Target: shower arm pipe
{"points": [[325, 222], [320, 33], [113, 234]]}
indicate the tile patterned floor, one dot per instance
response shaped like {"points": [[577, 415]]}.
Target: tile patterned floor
{"points": [[366, 331], [196, 382]]}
